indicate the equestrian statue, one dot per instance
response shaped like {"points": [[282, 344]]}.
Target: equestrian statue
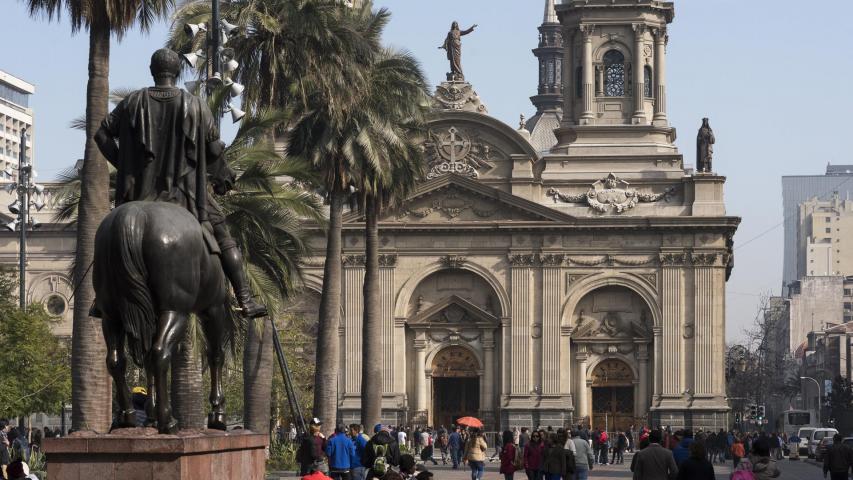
{"points": [[165, 252]]}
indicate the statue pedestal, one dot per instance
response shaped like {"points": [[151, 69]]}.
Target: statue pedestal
{"points": [[142, 454]]}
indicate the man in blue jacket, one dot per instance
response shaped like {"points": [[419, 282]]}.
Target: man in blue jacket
{"points": [[341, 453], [359, 441], [682, 451], [454, 443]]}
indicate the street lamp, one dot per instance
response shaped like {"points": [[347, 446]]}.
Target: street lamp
{"points": [[21, 208], [820, 395]]}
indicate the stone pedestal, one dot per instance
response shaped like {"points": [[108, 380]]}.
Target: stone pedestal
{"points": [[141, 454]]}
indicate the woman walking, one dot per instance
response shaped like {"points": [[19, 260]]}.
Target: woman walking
{"points": [[697, 466], [509, 454], [533, 453], [559, 462], [475, 453]]}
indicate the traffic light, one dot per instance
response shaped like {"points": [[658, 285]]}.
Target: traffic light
{"points": [[761, 412], [738, 417], [753, 412]]}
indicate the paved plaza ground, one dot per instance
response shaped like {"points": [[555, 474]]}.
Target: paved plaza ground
{"points": [[798, 470]]}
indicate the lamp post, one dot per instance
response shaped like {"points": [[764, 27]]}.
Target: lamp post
{"points": [[820, 396], [21, 207]]}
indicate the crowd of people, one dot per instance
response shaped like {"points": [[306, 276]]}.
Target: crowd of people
{"points": [[16, 447]]}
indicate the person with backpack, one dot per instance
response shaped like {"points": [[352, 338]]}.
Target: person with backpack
{"points": [[619, 447], [509, 456], [559, 462], [312, 449], [738, 452], [427, 446], [381, 452], [359, 442], [603, 446], [475, 453]]}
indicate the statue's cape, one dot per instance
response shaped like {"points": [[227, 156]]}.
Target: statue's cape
{"points": [[169, 166]]}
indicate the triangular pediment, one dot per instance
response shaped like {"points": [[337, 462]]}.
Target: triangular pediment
{"points": [[453, 198], [453, 310]]}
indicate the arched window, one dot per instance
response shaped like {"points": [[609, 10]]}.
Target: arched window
{"points": [[647, 80], [579, 82], [614, 74]]}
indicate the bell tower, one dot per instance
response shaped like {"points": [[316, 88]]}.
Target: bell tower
{"points": [[614, 77], [549, 98]]}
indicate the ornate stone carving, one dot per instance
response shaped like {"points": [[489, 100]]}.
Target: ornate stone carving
{"points": [[387, 260], [651, 278], [704, 259], [451, 205], [576, 277], [552, 260], [454, 151], [523, 260], [536, 331], [453, 261], [353, 260], [688, 331], [457, 96], [672, 259], [611, 194], [587, 261]]}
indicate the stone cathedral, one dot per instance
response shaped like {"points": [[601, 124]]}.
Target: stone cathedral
{"points": [[571, 269]]}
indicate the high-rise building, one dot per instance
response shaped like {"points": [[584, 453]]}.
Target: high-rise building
{"points": [[15, 115], [797, 189], [824, 237]]}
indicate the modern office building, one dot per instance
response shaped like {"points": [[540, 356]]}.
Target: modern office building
{"points": [[15, 115]]}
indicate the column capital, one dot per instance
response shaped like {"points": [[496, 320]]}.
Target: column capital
{"points": [[640, 29], [660, 34], [587, 31]]}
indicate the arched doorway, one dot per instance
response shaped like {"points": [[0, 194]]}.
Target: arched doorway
{"points": [[455, 385], [613, 395]]}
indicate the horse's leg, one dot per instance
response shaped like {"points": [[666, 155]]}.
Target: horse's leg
{"points": [[171, 328], [213, 322], [117, 366], [150, 384]]}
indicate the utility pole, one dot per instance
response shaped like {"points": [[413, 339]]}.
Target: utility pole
{"points": [[24, 170]]}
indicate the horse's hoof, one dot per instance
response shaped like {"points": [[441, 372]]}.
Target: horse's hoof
{"points": [[216, 421], [169, 429]]}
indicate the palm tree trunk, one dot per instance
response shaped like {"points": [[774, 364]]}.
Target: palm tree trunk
{"points": [[371, 336], [257, 376], [328, 342], [187, 386], [91, 386]]}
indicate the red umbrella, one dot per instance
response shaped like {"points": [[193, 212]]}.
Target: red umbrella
{"points": [[470, 422]]}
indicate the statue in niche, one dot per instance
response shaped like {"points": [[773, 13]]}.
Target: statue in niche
{"points": [[453, 46], [705, 147]]}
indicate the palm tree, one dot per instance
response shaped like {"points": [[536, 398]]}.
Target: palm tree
{"points": [[384, 132], [292, 53], [91, 387]]}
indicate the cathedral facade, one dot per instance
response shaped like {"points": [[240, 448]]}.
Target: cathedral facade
{"points": [[568, 270]]}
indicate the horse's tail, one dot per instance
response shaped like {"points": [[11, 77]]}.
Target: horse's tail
{"points": [[128, 279]]}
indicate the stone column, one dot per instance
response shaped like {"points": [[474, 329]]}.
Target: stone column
{"points": [[599, 80], [643, 388], [488, 404], [566, 370], [420, 375], [583, 396], [521, 269], [353, 298], [552, 362], [658, 379], [569, 77], [386, 285], [639, 86], [660, 74], [672, 289], [701, 330], [588, 74]]}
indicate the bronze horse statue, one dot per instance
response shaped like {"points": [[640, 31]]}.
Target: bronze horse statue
{"points": [[152, 270]]}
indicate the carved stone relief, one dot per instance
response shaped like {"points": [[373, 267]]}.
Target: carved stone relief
{"points": [[611, 194], [456, 151]]}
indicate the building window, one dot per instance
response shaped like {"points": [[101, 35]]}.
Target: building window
{"points": [[828, 219], [614, 74], [647, 78], [828, 230], [579, 82]]}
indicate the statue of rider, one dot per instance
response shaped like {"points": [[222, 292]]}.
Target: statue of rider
{"points": [[165, 145]]}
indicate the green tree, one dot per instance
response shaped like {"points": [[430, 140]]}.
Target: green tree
{"points": [[34, 375], [102, 19], [383, 134]]}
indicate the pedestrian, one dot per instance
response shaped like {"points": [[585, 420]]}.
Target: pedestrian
{"points": [[312, 449], [533, 453], [523, 438], [443, 444], [619, 446], [630, 435], [381, 452], [341, 454], [654, 462], [763, 467], [603, 446], [584, 459], [696, 466], [402, 438], [559, 462], [475, 453], [359, 442], [455, 444], [427, 447], [315, 472], [838, 459], [19, 470], [682, 451], [509, 455], [738, 452]]}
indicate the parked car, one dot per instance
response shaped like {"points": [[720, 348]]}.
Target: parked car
{"points": [[805, 434], [822, 447], [816, 436]]}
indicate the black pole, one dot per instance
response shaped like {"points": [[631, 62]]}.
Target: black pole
{"points": [[24, 210], [215, 40], [292, 400]]}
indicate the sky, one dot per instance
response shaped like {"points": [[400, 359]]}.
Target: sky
{"points": [[772, 75]]}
